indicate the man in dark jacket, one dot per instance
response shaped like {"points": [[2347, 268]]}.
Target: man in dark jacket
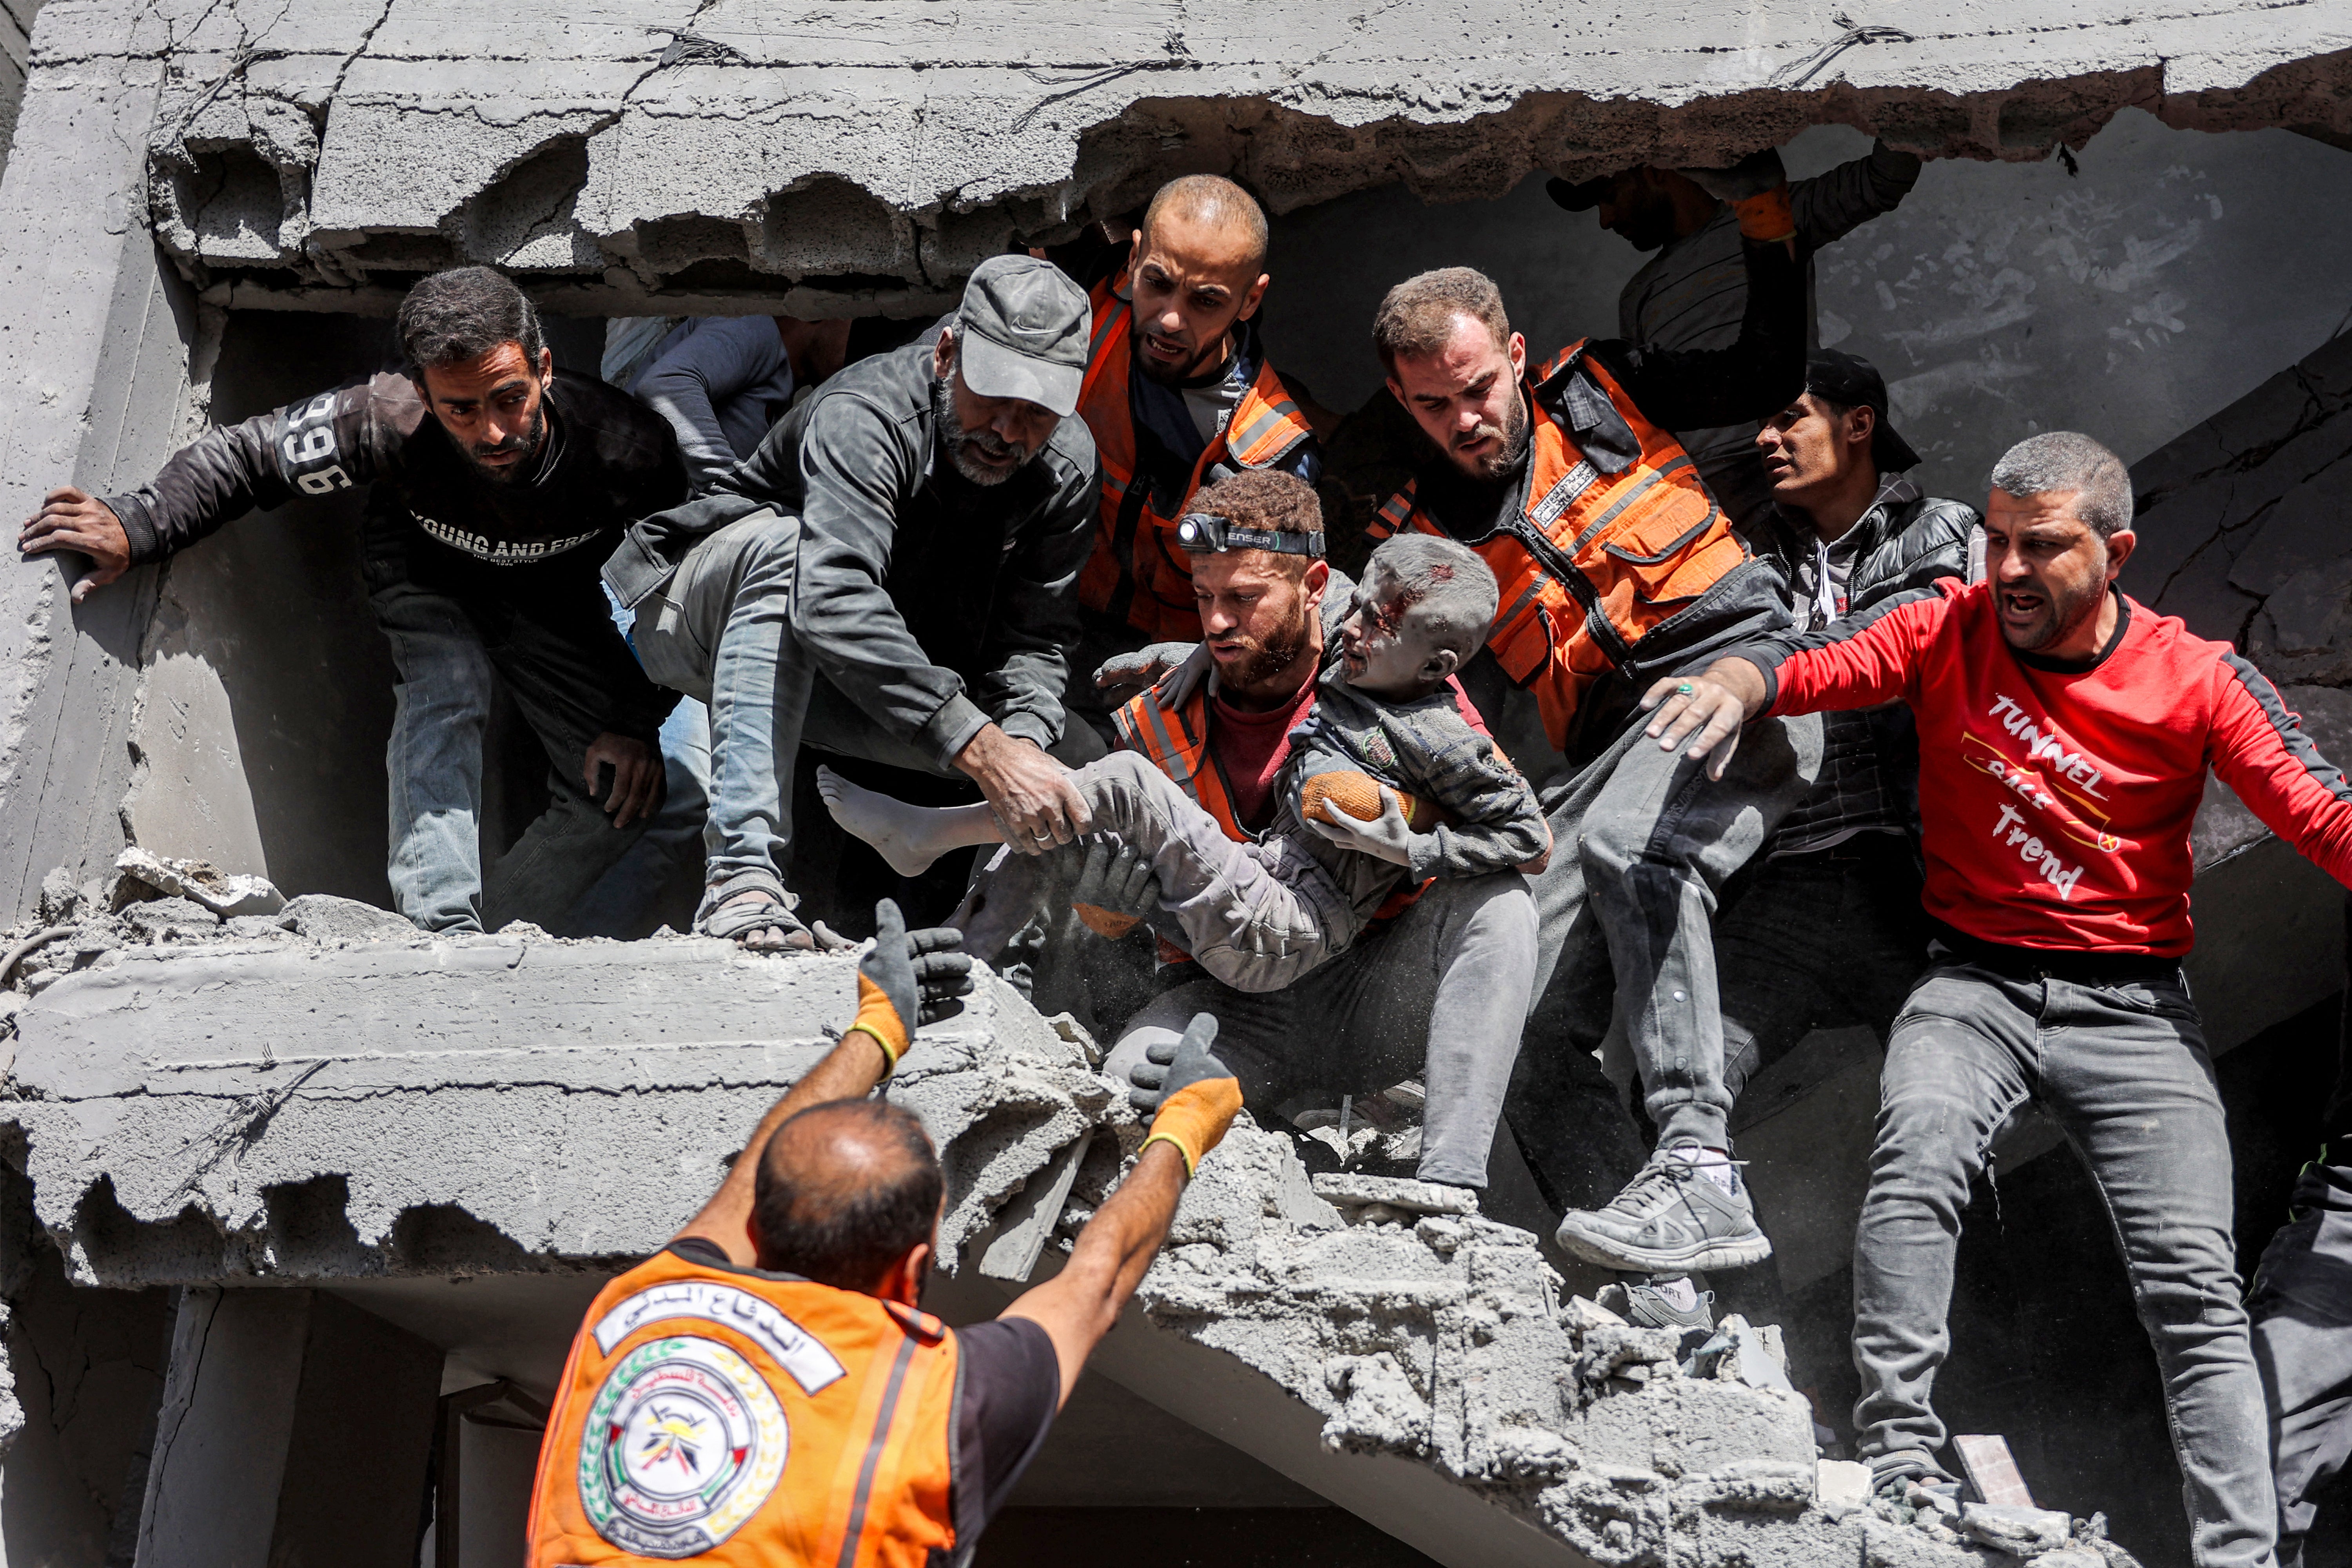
{"points": [[496, 483], [892, 575], [1822, 930], [1691, 294]]}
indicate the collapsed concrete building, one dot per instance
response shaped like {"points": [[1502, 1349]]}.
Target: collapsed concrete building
{"points": [[301, 1207]]}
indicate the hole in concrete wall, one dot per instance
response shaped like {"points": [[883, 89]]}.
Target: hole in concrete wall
{"points": [[671, 244], [831, 226], [231, 201]]}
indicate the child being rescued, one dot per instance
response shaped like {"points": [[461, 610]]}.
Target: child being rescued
{"points": [[1394, 782]]}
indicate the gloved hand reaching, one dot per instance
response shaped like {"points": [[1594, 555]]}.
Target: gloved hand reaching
{"points": [[1757, 189], [1115, 889], [1192, 1095], [1178, 668], [907, 979]]}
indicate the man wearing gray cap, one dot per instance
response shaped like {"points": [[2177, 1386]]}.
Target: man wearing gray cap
{"points": [[892, 576]]}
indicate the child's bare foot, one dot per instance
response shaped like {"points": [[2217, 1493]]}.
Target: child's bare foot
{"points": [[908, 836]]}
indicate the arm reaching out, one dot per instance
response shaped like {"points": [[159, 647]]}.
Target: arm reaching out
{"points": [[1706, 710], [905, 980], [1194, 1098]]}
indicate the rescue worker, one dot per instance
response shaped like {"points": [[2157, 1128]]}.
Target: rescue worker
{"points": [[767, 1390], [1692, 292], [2075, 727], [497, 484], [1615, 564], [1179, 393], [890, 576], [1456, 948]]}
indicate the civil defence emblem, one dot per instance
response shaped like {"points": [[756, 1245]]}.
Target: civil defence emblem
{"points": [[684, 1443]]}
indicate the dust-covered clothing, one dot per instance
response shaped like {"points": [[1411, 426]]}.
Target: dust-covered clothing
{"points": [[1258, 914], [934, 605], [1428, 749]]}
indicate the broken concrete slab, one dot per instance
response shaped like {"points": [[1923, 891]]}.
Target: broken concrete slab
{"points": [[199, 880], [322, 917], [687, 148]]}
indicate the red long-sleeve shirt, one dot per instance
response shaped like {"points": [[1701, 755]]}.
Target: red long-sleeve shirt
{"points": [[2056, 796]]}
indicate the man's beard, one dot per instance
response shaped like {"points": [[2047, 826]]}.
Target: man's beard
{"points": [[1271, 657], [523, 441], [2060, 617], [960, 443], [1498, 465], [1152, 370]]}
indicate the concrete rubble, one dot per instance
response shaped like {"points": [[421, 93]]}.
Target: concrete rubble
{"points": [[198, 1100], [324, 152]]}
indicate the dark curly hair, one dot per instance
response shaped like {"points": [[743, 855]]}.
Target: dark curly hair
{"points": [[463, 314]]}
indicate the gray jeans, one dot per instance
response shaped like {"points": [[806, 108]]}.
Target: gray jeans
{"points": [[434, 765], [1646, 842], [1255, 916], [620, 902], [2124, 1069], [720, 630], [2302, 1308], [1441, 991]]}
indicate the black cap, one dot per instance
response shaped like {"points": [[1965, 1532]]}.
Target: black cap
{"points": [[1852, 383], [1582, 196]]}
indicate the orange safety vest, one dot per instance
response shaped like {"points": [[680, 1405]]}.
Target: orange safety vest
{"points": [[1616, 538], [1176, 741], [748, 1419], [1138, 574]]}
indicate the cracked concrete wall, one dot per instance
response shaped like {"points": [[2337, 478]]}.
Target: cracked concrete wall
{"points": [[840, 163], [256, 1108]]}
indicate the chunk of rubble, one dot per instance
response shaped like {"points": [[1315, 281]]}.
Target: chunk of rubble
{"points": [[200, 881], [322, 917], [1380, 1200], [2020, 1531], [173, 920]]}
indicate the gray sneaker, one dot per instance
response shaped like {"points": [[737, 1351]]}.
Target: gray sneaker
{"points": [[1642, 1303], [1668, 1220]]}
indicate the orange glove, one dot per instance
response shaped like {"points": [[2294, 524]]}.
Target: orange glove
{"points": [[1766, 216], [1192, 1095]]}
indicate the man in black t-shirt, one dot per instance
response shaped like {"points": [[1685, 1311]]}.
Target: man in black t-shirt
{"points": [[497, 484]]}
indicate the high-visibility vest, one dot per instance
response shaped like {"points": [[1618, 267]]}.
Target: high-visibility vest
{"points": [[1616, 537], [1138, 574], [1176, 741], [751, 1420]]}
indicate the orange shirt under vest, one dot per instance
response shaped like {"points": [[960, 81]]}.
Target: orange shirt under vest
{"points": [[1139, 575], [1603, 566], [749, 1420]]}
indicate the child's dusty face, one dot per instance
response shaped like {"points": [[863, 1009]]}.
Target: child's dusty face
{"points": [[1384, 647]]}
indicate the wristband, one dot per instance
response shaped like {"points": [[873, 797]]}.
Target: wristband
{"points": [[1767, 216], [1195, 1118], [878, 1018]]}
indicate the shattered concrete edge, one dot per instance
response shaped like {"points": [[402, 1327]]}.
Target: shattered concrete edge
{"points": [[233, 1101], [327, 153]]}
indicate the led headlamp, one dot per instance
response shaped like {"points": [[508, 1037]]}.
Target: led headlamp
{"points": [[1204, 533]]}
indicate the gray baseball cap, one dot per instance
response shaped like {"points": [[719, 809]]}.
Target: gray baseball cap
{"points": [[1025, 328]]}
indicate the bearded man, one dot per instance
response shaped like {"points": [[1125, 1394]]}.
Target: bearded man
{"points": [[892, 575], [496, 482]]}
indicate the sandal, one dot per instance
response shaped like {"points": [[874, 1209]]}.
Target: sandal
{"points": [[716, 917]]}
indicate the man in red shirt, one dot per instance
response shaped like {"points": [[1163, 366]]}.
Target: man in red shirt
{"points": [[2074, 729]]}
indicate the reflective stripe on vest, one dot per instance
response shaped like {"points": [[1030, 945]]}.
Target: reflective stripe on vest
{"points": [[1138, 574], [742, 1419], [1596, 561]]}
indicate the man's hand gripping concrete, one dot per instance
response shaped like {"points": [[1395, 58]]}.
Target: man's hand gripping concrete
{"points": [[72, 519], [1706, 710]]}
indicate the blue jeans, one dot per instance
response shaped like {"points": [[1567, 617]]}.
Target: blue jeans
{"points": [[2302, 1308], [2124, 1069], [617, 904], [441, 707]]}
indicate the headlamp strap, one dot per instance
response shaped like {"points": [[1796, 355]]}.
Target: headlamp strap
{"points": [[1204, 533]]}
